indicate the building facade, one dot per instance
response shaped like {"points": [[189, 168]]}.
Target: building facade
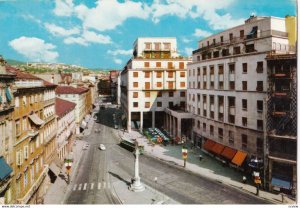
{"points": [[65, 112], [228, 84], [152, 80], [6, 133], [76, 95]]}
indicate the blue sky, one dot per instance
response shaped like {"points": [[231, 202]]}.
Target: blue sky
{"points": [[100, 33]]}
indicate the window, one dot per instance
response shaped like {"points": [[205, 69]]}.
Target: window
{"points": [[198, 71], [182, 84], [158, 74], [244, 121], [25, 179], [244, 83], [19, 157], [167, 46], [198, 124], [244, 104], [182, 94], [214, 41], [159, 84], [32, 174], [211, 130], [170, 74], [199, 85], [159, 104], [147, 94], [216, 54], [159, 94], [237, 50], [18, 127], [147, 74], [135, 84], [207, 43], [158, 64], [221, 85], [146, 64], [232, 85], [244, 141], [241, 33], [135, 104], [182, 104], [231, 68], [135, 94], [148, 46], [26, 152], [245, 68], [171, 94], [157, 46], [24, 124], [147, 104], [170, 85], [147, 85], [231, 137], [170, 104], [198, 58], [231, 119], [230, 36], [204, 127], [181, 65], [37, 166], [259, 86], [250, 48], [193, 72], [259, 106], [222, 39], [260, 125], [259, 145], [182, 74], [24, 100], [220, 132], [170, 65], [260, 67]]}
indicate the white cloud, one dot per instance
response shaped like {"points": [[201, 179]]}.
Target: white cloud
{"points": [[96, 38], [60, 31], [186, 40], [88, 37], [196, 9], [76, 40], [188, 51], [201, 33], [117, 61], [64, 7], [107, 15], [34, 49], [120, 52]]}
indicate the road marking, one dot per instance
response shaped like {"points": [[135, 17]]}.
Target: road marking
{"points": [[99, 185], [84, 187], [79, 188], [104, 185], [75, 186], [92, 186]]}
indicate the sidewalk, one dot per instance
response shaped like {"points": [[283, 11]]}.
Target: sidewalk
{"points": [[207, 167], [57, 192]]}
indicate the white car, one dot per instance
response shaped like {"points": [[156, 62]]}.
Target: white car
{"points": [[102, 147]]}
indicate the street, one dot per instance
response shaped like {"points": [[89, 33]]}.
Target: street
{"points": [[98, 170]]}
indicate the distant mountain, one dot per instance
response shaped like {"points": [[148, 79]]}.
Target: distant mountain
{"points": [[14, 62]]}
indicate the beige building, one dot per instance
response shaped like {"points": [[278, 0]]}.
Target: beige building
{"points": [[152, 80]]}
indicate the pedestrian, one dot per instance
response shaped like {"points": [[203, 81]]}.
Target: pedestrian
{"points": [[200, 157], [244, 179]]}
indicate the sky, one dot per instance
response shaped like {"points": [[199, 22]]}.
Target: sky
{"points": [[100, 33]]}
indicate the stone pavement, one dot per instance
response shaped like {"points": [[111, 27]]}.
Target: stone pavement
{"points": [[207, 167]]}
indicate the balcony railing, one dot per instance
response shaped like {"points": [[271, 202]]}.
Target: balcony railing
{"points": [[278, 154]]}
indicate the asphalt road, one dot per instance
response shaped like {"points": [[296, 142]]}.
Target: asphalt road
{"points": [[103, 168]]}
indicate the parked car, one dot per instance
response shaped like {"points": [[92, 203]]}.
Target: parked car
{"points": [[102, 147]]}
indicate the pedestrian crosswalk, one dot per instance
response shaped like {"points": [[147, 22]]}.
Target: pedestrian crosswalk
{"points": [[90, 186]]}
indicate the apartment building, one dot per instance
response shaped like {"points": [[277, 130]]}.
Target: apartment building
{"points": [[65, 111], [281, 143], [152, 80], [6, 133], [228, 83], [76, 95], [34, 129]]}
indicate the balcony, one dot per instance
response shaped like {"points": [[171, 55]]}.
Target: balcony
{"points": [[231, 110], [281, 155], [32, 132]]}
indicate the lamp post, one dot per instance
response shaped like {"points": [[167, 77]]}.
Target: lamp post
{"points": [[136, 185]]}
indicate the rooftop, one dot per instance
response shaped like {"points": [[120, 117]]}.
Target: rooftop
{"points": [[70, 90], [62, 107]]}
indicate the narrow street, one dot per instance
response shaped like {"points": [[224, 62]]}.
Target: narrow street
{"points": [[99, 170]]}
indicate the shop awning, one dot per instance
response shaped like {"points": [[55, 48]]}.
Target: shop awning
{"points": [[8, 94], [53, 167], [228, 153], [217, 148], [5, 169], [239, 158], [281, 183], [208, 145], [35, 119]]}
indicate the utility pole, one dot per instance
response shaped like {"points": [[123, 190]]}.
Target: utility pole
{"points": [[184, 155]]}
